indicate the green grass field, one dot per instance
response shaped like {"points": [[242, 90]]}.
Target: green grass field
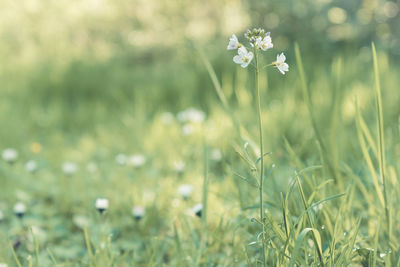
{"points": [[135, 124]]}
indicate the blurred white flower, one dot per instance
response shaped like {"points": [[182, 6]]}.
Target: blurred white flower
{"points": [[187, 129], [179, 166], [121, 159], [69, 168], [243, 58], [138, 212], [185, 190], [92, 167], [233, 43], [191, 115], [3, 264], [197, 209], [280, 63], [264, 44], [216, 155], [10, 155], [81, 221], [101, 204], [31, 166], [167, 118], [19, 209], [137, 160]]}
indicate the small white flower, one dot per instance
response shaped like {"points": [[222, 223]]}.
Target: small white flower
{"points": [[243, 57], [31, 166], [179, 166], [69, 168], [197, 209], [121, 159], [19, 209], [191, 115], [92, 167], [3, 264], [10, 155], [264, 44], [216, 155], [81, 221], [138, 212], [280, 63], [185, 190], [187, 129], [137, 160], [233, 43], [101, 204]]}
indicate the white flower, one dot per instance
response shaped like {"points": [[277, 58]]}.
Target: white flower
{"points": [[19, 209], [216, 155], [233, 43], [243, 57], [191, 115], [121, 159], [138, 212], [197, 209], [185, 190], [69, 168], [137, 160], [187, 129], [264, 44], [280, 63], [101, 204], [3, 264], [31, 166], [10, 155], [179, 166]]}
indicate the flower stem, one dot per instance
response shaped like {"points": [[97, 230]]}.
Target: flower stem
{"points": [[261, 183]]}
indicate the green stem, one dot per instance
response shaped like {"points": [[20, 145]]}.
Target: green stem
{"points": [[261, 187]]}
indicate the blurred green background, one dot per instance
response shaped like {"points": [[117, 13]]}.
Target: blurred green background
{"points": [[83, 81]]}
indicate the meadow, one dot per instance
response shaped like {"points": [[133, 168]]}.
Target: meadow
{"points": [[128, 143]]}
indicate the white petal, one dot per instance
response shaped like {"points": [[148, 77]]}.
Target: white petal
{"points": [[237, 59], [242, 51], [250, 55]]}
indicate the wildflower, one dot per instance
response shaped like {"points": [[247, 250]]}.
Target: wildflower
{"points": [[185, 191], [264, 43], [138, 212], [243, 57], [216, 155], [191, 115], [187, 129], [69, 168], [121, 159], [137, 160], [101, 204], [179, 166], [233, 43], [10, 155], [280, 63], [197, 209], [19, 209], [31, 166]]}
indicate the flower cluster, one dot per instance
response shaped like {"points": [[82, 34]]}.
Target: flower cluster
{"points": [[259, 40]]}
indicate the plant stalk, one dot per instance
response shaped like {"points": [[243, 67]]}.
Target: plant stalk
{"points": [[261, 183]]}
